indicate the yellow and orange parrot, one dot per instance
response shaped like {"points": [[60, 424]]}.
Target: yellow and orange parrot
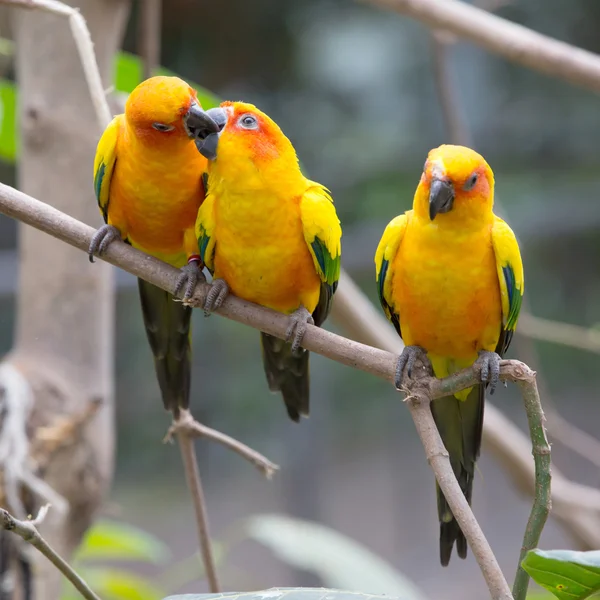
{"points": [[450, 279], [270, 236], [148, 179]]}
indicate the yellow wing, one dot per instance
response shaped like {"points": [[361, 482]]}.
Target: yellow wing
{"points": [[205, 229], [385, 254], [104, 164], [323, 235], [510, 276]]}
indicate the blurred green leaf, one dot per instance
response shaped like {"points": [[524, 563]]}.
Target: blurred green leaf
{"points": [[569, 575], [127, 74], [111, 540], [287, 594], [115, 584], [339, 561]]}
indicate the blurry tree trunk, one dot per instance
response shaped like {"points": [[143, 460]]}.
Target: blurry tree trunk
{"points": [[64, 337]]}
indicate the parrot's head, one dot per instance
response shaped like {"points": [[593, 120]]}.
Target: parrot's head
{"points": [[166, 109], [249, 146], [456, 182]]}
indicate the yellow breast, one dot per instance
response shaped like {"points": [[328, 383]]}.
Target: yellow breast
{"points": [[261, 251], [446, 290]]}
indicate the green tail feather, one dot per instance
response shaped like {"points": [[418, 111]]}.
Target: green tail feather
{"points": [[168, 329], [460, 424], [287, 373]]}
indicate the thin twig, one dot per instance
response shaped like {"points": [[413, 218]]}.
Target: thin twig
{"points": [[28, 531], [542, 500], [510, 40], [189, 425], [192, 476], [85, 47], [149, 26]]}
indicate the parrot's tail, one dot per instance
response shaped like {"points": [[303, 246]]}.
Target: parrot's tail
{"points": [[168, 327], [287, 372], [460, 423]]}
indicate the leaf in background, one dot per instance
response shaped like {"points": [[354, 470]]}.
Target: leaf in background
{"points": [[114, 584], [286, 594], [339, 561], [8, 121], [111, 540], [569, 575]]}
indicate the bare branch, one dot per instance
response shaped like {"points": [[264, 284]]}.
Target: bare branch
{"points": [[28, 531], [85, 47], [192, 476], [514, 42], [186, 423], [149, 26]]}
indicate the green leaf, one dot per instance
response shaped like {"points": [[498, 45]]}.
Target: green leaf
{"points": [[286, 594], [569, 575], [127, 75], [114, 584], [339, 561], [111, 540]]}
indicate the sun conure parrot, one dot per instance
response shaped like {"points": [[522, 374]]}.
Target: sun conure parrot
{"points": [[450, 279], [268, 235], [148, 179]]}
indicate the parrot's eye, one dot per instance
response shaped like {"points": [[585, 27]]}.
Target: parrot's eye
{"points": [[162, 127], [470, 183], [248, 122]]}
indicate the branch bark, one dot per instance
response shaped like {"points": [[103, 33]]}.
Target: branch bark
{"points": [[499, 36], [63, 355]]}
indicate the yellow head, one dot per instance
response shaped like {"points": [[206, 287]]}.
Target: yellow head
{"points": [[457, 185], [166, 110], [250, 151]]}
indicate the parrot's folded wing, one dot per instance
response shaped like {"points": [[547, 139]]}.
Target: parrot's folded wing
{"points": [[104, 164], [205, 228], [510, 276]]}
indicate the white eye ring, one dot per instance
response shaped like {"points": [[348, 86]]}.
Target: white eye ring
{"points": [[162, 127], [248, 121]]}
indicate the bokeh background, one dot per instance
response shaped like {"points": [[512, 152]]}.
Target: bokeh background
{"points": [[353, 88]]}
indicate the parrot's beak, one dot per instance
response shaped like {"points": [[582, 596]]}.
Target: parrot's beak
{"points": [[198, 123], [441, 197], [207, 145]]}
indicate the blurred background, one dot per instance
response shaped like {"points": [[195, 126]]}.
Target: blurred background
{"points": [[353, 87]]}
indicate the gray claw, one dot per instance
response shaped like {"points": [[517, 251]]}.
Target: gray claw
{"points": [[297, 327], [102, 239], [188, 279], [219, 290], [490, 369], [406, 362]]}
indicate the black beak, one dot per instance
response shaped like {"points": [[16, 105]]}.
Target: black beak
{"points": [[207, 144], [441, 197], [198, 123]]}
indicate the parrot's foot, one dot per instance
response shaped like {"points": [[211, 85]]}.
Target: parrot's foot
{"points": [[188, 279], [406, 362], [297, 327], [102, 239], [490, 368], [219, 290]]}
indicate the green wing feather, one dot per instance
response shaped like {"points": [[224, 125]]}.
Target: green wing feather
{"points": [[104, 164]]}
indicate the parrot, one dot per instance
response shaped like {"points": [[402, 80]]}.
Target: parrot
{"points": [[449, 276], [149, 181], [270, 236]]}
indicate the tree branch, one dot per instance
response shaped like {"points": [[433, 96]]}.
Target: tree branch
{"points": [[149, 29], [377, 362], [28, 531], [499, 36]]}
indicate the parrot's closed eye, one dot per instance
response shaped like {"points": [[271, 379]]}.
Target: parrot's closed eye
{"points": [[470, 183], [162, 127]]}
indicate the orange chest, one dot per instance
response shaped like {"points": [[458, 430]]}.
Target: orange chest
{"points": [[446, 290], [158, 200]]}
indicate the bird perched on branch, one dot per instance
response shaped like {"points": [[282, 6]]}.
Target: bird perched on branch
{"points": [[450, 279], [148, 179], [270, 236]]}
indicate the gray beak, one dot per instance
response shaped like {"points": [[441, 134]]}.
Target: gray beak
{"points": [[441, 197], [198, 123], [207, 144]]}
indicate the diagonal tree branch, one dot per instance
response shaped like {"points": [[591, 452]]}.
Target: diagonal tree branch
{"points": [[512, 41], [371, 360]]}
